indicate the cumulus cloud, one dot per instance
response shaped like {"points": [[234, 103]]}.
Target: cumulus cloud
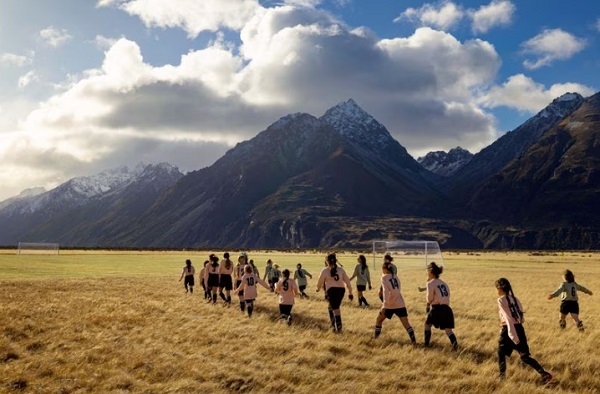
{"points": [[193, 16], [27, 79], [11, 59], [524, 94], [549, 46], [497, 13], [55, 37], [443, 16]]}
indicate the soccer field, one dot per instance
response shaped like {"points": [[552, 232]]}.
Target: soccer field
{"points": [[107, 322]]}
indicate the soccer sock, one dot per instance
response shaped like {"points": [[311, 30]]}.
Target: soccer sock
{"points": [[453, 340], [377, 331], [242, 305], [580, 325], [331, 317], [360, 301], [191, 289], [364, 300], [214, 297], [411, 334], [563, 324], [250, 308], [501, 363], [222, 295], [229, 299], [427, 336], [338, 323], [527, 359]]}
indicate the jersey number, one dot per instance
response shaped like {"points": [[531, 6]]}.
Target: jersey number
{"points": [[285, 285], [443, 290], [336, 277], [250, 281], [394, 283], [573, 291]]}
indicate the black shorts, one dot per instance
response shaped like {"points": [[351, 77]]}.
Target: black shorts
{"points": [[567, 307], [188, 280], [506, 345], [335, 295], [389, 313], [440, 316], [213, 280], [302, 288], [361, 287], [225, 282], [285, 309], [237, 284], [274, 281]]}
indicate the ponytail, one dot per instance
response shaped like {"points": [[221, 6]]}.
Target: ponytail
{"points": [[332, 261], [363, 263], [513, 306]]}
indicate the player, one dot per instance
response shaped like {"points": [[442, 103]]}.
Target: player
{"points": [[254, 267], [388, 259], [225, 279], [238, 272], [363, 277], [287, 290], [201, 279], [439, 313], [268, 276], [393, 302], [300, 274], [569, 301], [333, 278], [276, 275], [512, 336], [248, 284], [188, 273], [211, 276]]}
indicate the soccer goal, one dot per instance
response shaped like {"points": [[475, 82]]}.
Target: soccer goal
{"points": [[37, 248], [407, 254]]}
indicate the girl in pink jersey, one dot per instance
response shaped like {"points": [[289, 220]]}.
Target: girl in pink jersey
{"points": [[188, 273], [203, 281], [439, 313], [211, 276], [333, 279], [393, 302], [248, 284], [287, 290], [225, 278], [512, 336], [238, 272]]}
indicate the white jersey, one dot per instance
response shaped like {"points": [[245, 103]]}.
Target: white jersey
{"points": [[438, 292]]}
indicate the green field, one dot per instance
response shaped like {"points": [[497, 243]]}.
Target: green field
{"points": [[115, 322]]}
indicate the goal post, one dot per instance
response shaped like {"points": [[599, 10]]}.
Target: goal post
{"points": [[38, 248], [407, 254]]}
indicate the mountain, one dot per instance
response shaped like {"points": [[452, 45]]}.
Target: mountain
{"points": [[445, 164], [69, 212], [510, 146], [34, 191]]}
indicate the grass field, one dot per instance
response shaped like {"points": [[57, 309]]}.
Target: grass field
{"points": [[102, 322]]}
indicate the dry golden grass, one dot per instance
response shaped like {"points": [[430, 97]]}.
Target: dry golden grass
{"points": [[117, 323]]}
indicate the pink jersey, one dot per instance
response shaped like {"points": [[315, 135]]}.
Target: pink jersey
{"points": [[338, 280], [201, 275], [210, 269], [287, 290], [225, 271], [438, 292], [249, 282], [509, 316], [392, 297], [239, 270]]}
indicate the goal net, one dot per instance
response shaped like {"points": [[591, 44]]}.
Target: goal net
{"points": [[37, 248], [407, 255]]}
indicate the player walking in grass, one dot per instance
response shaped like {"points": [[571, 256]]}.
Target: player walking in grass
{"points": [[238, 272], [268, 276], [188, 273], [300, 275], [363, 277], [201, 279], [333, 279], [439, 313], [287, 290], [248, 286], [569, 300], [211, 276], [276, 275], [225, 279], [254, 267], [393, 302], [512, 335], [388, 259]]}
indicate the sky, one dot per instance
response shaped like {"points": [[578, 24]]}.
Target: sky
{"points": [[89, 85]]}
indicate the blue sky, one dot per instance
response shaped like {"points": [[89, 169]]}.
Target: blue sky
{"points": [[96, 84]]}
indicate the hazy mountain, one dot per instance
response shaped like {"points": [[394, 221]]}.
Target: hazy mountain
{"points": [[445, 163], [31, 192]]}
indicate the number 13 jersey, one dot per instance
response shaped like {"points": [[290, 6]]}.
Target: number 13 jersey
{"points": [[438, 292]]}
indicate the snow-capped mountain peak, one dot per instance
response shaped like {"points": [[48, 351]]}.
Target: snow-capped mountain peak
{"points": [[445, 164], [561, 106]]}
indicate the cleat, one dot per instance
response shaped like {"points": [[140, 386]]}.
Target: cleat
{"points": [[289, 320], [547, 378]]}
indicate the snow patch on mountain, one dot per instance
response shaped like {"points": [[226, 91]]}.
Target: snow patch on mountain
{"points": [[445, 164]]}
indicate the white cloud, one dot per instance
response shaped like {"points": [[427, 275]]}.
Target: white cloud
{"points": [[443, 16], [104, 42], [193, 16], [597, 24], [497, 13], [11, 59], [524, 94], [27, 79], [551, 45], [55, 37]]}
